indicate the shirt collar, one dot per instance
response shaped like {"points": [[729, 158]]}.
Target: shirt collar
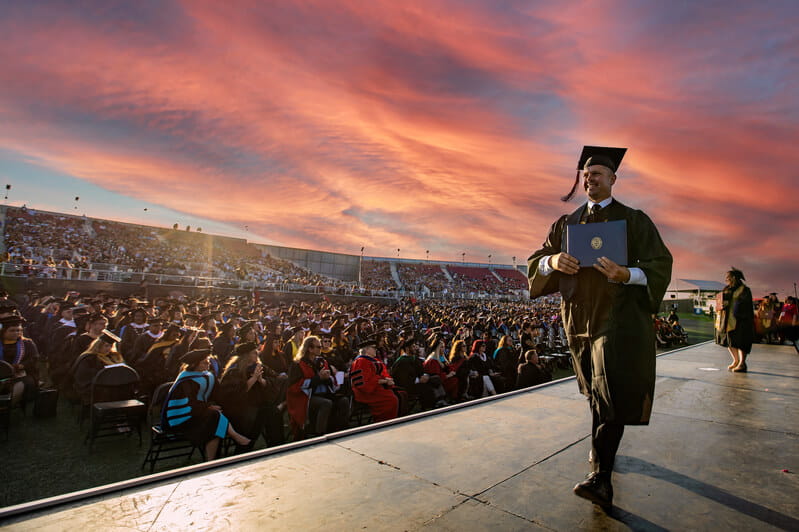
{"points": [[604, 203]]}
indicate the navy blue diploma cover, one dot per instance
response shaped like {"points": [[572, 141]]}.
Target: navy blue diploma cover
{"points": [[588, 242]]}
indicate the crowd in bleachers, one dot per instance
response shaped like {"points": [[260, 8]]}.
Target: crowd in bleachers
{"points": [[51, 245], [376, 275], [418, 275], [54, 245], [431, 278], [513, 279]]}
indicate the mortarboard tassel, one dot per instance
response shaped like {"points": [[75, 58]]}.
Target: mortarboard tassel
{"points": [[570, 195]]}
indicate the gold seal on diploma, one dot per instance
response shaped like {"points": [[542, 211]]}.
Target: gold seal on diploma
{"points": [[596, 242]]}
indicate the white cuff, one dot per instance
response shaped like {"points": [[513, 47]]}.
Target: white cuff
{"points": [[637, 276], [543, 266]]}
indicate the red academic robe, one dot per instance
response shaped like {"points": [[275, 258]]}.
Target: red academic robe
{"points": [[297, 400], [434, 367], [364, 374]]}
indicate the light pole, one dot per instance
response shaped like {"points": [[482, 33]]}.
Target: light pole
{"points": [[489, 260], [360, 270], [463, 258], [428, 255]]}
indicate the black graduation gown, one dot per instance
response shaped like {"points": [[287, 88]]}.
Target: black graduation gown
{"points": [[735, 322], [609, 325], [530, 374]]}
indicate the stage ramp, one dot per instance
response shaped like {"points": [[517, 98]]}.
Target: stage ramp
{"points": [[721, 453]]}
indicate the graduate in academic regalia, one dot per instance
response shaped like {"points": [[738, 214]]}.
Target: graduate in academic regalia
{"points": [[372, 384], [189, 406], [312, 392], [607, 311], [23, 356], [409, 373], [154, 332], [101, 353], [131, 330], [735, 325], [154, 366]]}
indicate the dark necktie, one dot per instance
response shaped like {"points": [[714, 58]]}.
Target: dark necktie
{"points": [[594, 216]]}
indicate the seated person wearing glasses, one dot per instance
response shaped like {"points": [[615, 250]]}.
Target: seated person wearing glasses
{"points": [[311, 392]]}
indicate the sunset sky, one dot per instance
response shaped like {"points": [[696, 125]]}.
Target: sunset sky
{"points": [[450, 126]]}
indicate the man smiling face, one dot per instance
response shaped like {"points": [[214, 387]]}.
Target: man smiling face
{"points": [[598, 182]]}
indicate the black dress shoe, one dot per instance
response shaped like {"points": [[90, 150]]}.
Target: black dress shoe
{"points": [[740, 369], [596, 489]]}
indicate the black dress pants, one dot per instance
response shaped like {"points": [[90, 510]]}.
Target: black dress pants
{"points": [[605, 439]]}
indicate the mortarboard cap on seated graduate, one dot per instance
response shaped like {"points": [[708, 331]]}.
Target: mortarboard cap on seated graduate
{"points": [[193, 357], [109, 337], [244, 348], [11, 321], [596, 155]]}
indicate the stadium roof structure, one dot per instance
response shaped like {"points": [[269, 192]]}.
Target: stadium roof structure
{"points": [[694, 284]]}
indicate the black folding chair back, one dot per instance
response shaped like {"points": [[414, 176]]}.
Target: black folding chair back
{"points": [[114, 408], [164, 445]]}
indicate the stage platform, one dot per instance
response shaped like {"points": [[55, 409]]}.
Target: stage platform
{"points": [[721, 453]]}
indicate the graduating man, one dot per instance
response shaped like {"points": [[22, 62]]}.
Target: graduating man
{"points": [[607, 311]]}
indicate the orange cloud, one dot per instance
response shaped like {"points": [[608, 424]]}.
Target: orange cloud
{"points": [[436, 126]]}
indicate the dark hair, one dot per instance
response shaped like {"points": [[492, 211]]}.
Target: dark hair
{"points": [[736, 274]]}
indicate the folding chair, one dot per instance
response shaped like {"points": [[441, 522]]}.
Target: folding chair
{"points": [[113, 404], [164, 445], [359, 412]]}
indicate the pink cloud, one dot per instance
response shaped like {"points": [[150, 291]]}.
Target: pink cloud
{"points": [[390, 125]]}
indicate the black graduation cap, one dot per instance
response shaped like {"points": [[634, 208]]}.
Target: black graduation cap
{"points": [[192, 357], [5, 309], [244, 348], [173, 328], [201, 342], [109, 337], [368, 341], [11, 321], [593, 155], [409, 340]]}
